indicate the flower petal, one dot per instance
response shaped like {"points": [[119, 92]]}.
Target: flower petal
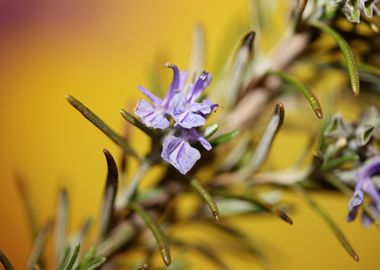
{"points": [[151, 116], [353, 205], [199, 86], [156, 100], [179, 153], [190, 120], [196, 136]]}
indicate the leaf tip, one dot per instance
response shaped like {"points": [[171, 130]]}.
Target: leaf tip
{"points": [[248, 40], [165, 254], [356, 257], [319, 113], [216, 215], [284, 216]]}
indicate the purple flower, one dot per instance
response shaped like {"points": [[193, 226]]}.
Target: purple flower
{"points": [[187, 112], [365, 185], [178, 151], [155, 115], [181, 105]]}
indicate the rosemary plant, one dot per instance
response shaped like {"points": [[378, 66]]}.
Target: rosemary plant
{"points": [[205, 135]]}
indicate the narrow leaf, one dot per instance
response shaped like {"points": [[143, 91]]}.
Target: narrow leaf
{"points": [[136, 122], [233, 158], [224, 138], [61, 223], [28, 204], [131, 189], [300, 10], [196, 185], [96, 263], [158, 234], [305, 91], [244, 241], [5, 262], [64, 258], [254, 199], [87, 258], [90, 261], [73, 258], [328, 220], [262, 149], [210, 130], [348, 55], [81, 234], [208, 253], [337, 162], [238, 69], [117, 238], [95, 120], [39, 245], [197, 53], [109, 196], [367, 68]]}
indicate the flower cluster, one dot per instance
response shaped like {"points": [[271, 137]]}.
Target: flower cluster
{"points": [[181, 104], [366, 185]]}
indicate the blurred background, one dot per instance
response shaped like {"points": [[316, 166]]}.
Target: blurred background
{"points": [[99, 51]]}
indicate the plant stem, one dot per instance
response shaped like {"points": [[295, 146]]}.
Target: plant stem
{"points": [[133, 185]]}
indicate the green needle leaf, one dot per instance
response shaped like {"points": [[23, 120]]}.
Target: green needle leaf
{"points": [[210, 130], [80, 235], [328, 220], [95, 120], [238, 69], [109, 196], [348, 55], [335, 163], [158, 234], [244, 241], [196, 185], [96, 263], [369, 69], [73, 258], [208, 253], [254, 199], [136, 122], [87, 258], [225, 138], [28, 203], [197, 52], [5, 262], [117, 238], [62, 221], [38, 246], [301, 87], [263, 147], [89, 261]]}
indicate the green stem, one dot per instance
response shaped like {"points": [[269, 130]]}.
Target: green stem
{"points": [[133, 185]]}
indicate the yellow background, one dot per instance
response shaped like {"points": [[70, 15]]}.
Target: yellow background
{"points": [[99, 51]]}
